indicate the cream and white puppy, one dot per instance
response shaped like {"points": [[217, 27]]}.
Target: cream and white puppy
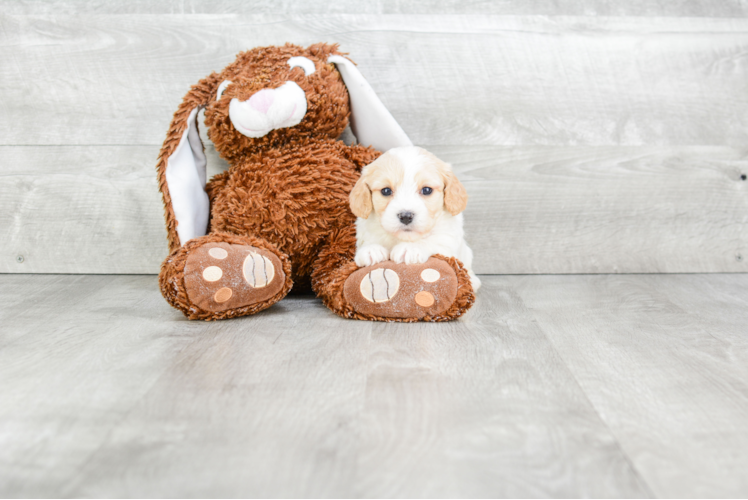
{"points": [[409, 206]]}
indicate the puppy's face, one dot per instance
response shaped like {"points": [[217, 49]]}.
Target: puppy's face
{"points": [[409, 189]]}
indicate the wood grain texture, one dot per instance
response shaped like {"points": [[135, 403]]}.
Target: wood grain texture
{"points": [[482, 407], [263, 407], [471, 79], [97, 338], [92, 209], [681, 8], [554, 210], [660, 372], [122, 397], [86, 209], [628, 133], [564, 386]]}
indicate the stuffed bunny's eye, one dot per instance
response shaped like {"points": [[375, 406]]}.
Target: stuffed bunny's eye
{"points": [[222, 88], [302, 62]]}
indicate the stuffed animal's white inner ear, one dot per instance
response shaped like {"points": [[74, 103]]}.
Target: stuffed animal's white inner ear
{"points": [[371, 122], [302, 62], [185, 179], [222, 88]]}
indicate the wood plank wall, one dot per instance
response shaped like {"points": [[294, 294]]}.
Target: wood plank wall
{"points": [[598, 136]]}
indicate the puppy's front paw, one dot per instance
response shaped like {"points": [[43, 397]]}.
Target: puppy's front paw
{"points": [[368, 255], [408, 253]]}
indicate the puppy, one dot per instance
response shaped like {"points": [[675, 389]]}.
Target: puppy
{"points": [[409, 206]]}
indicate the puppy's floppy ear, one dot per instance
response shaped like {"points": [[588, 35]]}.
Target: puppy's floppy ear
{"points": [[360, 199], [371, 122], [181, 169], [455, 195]]}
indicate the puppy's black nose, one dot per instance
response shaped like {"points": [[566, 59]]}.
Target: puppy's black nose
{"points": [[405, 217]]}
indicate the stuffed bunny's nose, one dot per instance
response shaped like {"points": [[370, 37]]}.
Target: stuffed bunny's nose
{"points": [[262, 100], [269, 109]]}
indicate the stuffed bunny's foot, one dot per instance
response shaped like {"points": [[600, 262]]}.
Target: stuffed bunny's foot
{"points": [[223, 276], [408, 292]]}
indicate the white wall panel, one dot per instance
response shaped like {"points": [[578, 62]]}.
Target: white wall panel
{"points": [[587, 143], [498, 80], [538, 209]]}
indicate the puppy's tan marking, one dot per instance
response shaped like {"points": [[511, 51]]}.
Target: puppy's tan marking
{"points": [[360, 199], [455, 195], [386, 171]]}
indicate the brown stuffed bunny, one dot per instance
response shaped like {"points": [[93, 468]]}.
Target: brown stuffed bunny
{"points": [[279, 216]]}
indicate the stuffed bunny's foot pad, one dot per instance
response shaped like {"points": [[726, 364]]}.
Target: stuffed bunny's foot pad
{"points": [[402, 291], [222, 276]]}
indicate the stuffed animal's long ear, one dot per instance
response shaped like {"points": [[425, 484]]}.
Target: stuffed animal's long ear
{"points": [[371, 122], [181, 169]]}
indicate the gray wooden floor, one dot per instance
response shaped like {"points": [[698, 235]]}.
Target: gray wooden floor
{"points": [[597, 385]]}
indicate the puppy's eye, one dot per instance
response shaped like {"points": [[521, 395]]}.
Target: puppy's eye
{"points": [[302, 62], [386, 192], [426, 191], [222, 88]]}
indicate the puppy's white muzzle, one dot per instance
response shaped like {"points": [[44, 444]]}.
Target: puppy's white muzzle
{"points": [[268, 109], [409, 224]]}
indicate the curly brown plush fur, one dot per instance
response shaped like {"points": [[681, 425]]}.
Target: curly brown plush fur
{"points": [[285, 192]]}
